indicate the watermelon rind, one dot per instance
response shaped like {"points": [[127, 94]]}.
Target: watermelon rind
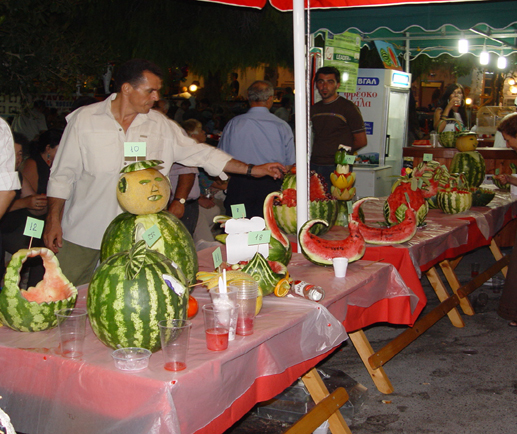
{"points": [[472, 165], [175, 242], [324, 210], [454, 202], [19, 314], [140, 165], [259, 269], [125, 312], [482, 196]]}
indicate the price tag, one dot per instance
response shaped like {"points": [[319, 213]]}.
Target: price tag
{"points": [[151, 235], [428, 157], [217, 257], [33, 227], [259, 237], [349, 159], [238, 211], [135, 149], [349, 206]]}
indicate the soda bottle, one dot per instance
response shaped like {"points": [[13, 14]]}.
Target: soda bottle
{"points": [[307, 290]]}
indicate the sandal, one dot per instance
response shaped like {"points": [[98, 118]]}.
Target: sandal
{"points": [[512, 323]]}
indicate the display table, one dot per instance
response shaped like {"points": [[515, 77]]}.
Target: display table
{"points": [[45, 393]]}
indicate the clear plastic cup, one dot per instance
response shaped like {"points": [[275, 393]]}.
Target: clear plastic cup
{"points": [[217, 326], [174, 337], [72, 325], [247, 293], [228, 298]]}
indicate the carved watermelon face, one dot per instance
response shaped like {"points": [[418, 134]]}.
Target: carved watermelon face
{"points": [[144, 191]]}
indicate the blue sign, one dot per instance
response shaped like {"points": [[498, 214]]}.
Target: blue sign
{"points": [[369, 128], [367, 81]]}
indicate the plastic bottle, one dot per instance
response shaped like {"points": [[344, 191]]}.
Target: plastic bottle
{"points": [[307, 290]]}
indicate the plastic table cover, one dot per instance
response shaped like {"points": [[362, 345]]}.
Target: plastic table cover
{"points": [[443, 236], [45, 393]]}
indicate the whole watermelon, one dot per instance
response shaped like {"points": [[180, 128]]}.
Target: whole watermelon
{"points": [[321, 206], [472, 164], [33, 310], [128, 296], [175, 241]]}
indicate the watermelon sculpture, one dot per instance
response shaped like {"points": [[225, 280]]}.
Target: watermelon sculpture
{"points": [[472, 164], [321, 251], [405, 190], [142, 189], [322, 206], [432, 176], [279, 246], [481, 196], [454, 201], [34, 310], [396, 234], [128, 296], [175, 242]]}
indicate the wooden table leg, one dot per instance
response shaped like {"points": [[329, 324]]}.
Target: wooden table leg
{"points": [[365, 350], [441, 292], [494, 248], [454, 283], [319, 391]]}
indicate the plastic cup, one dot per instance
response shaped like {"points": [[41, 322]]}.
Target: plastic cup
{"points": [[217, 326], [434, 140], [174, 336], [247, 293], [340, 266], [474, 269], [229, 299], [72, 327]]}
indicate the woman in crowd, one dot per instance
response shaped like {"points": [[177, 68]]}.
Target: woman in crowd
{"points": [[450, 115], [508, 303]]}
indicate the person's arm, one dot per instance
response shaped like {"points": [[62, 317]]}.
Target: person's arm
{"points": [[53, 233], [6, 198], [360, 141], [185, 183], [275, 170], [506, 179]]}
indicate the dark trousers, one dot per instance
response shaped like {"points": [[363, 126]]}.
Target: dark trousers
{"points": [[191, 215], [251, 192]]}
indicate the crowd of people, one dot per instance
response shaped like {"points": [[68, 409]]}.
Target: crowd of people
{"points": [[69, 176]]}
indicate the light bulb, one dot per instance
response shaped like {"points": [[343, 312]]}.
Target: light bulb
{"points": [[463, 46], [484, 57], [468, 101], [501, 62], [511, 81], [513, 90], [192, 88]]}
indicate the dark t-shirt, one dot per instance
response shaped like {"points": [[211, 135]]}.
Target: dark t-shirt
{"points": [[334, 124]]}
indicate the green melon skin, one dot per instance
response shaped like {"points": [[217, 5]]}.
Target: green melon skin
{"points": [[318, 210], [472, 164], [126, 312], [452, 202], [260, 270], [22, 315], [175, 242], [482, 196]]}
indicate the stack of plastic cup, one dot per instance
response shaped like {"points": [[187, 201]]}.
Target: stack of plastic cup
{"points": [[228, 298], [247, 293]]}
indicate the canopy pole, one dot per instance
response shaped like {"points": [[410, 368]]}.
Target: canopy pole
{"points": [[300, 113], [408, 52]]}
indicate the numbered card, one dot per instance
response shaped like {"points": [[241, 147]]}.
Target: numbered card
{"points": [[259, 237], [135, 149], [217, 257], [151, 235], [349, 159], [33, 227], [238, 211], [428, 157]]}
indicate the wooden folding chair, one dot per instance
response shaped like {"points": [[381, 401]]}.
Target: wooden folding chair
{"points": [[321, 412]]}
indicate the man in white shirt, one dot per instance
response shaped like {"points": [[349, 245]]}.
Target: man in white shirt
{"points": [[9, 180], [82, 186]]}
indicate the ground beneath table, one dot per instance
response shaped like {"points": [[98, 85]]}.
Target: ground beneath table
{"points": [[448, 380]]}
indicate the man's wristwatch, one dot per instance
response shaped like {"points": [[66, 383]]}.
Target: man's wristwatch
{"points": [[180, 200]]}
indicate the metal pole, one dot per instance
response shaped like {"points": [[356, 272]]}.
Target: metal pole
{"points": [[301, 113]]}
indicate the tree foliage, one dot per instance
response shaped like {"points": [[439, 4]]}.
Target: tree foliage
{"points": [[45, 47]]}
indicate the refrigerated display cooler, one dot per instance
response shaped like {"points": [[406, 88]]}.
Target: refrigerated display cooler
{"points": [[382, 95]]}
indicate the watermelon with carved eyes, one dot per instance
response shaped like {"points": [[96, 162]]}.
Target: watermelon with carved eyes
{"points": [[142, 189]]}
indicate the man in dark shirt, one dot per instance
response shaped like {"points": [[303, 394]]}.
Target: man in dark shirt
{"points": [[335, 121]]}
